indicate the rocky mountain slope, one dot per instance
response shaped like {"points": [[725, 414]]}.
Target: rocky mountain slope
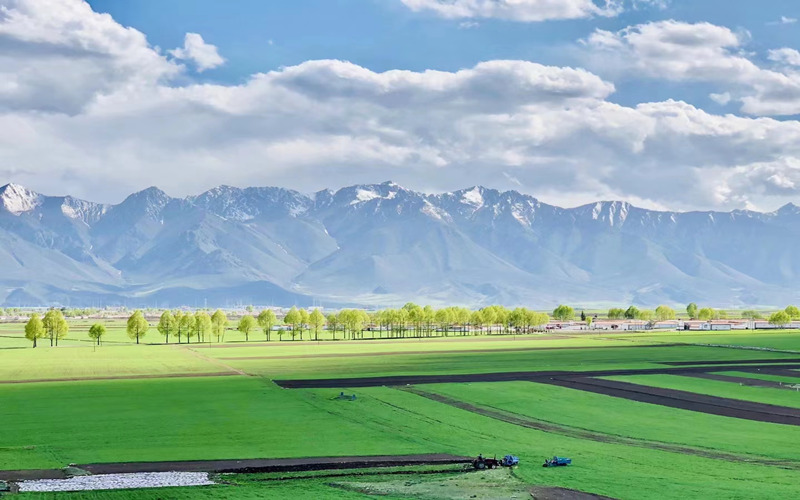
{"points": [[383, 244]]}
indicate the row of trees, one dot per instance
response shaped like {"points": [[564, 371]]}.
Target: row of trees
{"points": [[409, 320]]}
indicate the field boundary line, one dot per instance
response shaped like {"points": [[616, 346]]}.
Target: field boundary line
{"points": [[213, 361], [120, 377]]}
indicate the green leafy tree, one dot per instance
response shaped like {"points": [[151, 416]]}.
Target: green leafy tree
{"points": [[751, 314], [97, 332], [219, 322], [646, 315], [563, 313], [665, 313], [303, 321], [137, 326], [34, 329], [616, 313], [692, 311], [55, 325], [166, 325], [780, 319], [632, 313], [293, 319], [793, 312], [180, 325], [266, 320], [202, 325], [246, 325], [316, 321], [189, 327], [706, 314], [333, 323]]}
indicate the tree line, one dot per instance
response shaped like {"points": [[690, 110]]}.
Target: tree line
{"points": [[411, 320]]}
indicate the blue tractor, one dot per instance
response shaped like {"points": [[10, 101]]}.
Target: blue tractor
{"points": [[509, 461], [556, 462]]}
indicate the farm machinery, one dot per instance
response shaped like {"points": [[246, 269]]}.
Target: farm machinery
{"points": [[556, 462], [482, 462]]}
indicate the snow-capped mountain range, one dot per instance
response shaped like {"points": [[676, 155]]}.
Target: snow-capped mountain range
{"points": [[385, 245]]}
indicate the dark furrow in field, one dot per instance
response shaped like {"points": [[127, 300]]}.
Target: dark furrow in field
{"points": [[682, 399], [454, 351], [731, 362], [396, 380], [750, 382], [777, 371], [256, 465], [530, 423]]}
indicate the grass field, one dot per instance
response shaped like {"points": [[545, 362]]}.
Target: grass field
{"points": [[620, 448]]}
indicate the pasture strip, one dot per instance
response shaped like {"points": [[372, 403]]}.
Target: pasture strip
{"points": [[681, 399], [573, 432]]}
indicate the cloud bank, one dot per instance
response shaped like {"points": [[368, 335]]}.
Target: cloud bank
{"points": [[89, 107]]}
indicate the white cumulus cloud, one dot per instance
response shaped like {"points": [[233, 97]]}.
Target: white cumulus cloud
{"points": [[517, 10], [204, 55], [702, 52]]}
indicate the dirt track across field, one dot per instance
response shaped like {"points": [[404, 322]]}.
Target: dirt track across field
{"points": [[554, 428], [554, 493], [398, 380], [246, 465], [749, 382], [682, 399], [732, 362], [777, 371], [454, 351], [122, 377]]}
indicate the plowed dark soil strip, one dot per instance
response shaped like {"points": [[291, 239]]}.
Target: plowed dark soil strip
{"points": [[120, 377], [397, 380], [684, 400], [732, 362], [530, 423], [778, 371], [454, 351], [276, 464], [749, 382]]}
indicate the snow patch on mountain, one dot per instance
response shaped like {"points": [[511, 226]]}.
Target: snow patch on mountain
{"points": [[473, 197], [17, 199]]}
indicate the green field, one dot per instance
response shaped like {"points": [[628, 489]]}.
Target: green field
{"points": [[620, 448]]}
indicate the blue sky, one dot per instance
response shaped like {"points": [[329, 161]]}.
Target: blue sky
{"points": [[669, 104]]}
